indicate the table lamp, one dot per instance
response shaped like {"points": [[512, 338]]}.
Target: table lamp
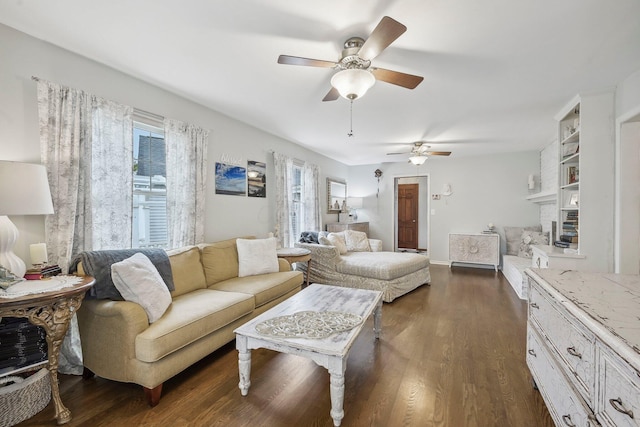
{"points": [[354, 204], [24, 190]]}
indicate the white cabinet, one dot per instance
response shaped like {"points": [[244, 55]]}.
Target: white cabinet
{"points": [[474, 248], [583, 336], [585, 197], [546, 256]]}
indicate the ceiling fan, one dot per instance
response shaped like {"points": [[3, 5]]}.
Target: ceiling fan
{"points": [[420, 153], [356, 75]]}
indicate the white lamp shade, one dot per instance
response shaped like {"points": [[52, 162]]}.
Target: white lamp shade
{"points": [[418, 160], [352, 83], [24, 189], [354, 202]]}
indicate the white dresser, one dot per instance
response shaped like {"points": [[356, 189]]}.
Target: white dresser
{"points": [[474, 248], [583, 346]]}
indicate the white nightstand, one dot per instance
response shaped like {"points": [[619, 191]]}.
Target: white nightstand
{"points": [[474, 248]]}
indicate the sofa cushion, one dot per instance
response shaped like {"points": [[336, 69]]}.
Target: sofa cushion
{"points": [[190, 317], [337, 240], [381, 265], [138, 280], [220, 261], [257, 256], [356, 241], [513, 236], [265, 287], [186, 267]]}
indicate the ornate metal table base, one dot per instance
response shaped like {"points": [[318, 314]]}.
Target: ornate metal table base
{"points": [[53, 311]]}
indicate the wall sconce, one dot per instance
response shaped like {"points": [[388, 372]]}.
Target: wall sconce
{"points": [[531, 182], [446, 190]]}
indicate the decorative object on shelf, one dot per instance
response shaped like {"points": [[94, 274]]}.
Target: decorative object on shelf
{"points": [[38, 252], [30, 197], [490, 229], [572, 174], [378, 174], [7, 278]]}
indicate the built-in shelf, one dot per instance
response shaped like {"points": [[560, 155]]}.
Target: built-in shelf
{"points": [[543, 197]]}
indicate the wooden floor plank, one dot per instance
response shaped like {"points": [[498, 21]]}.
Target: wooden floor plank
{"points": [[451, 354]]}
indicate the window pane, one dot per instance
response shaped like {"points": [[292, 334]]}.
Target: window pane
{"points": [[149, 187]]}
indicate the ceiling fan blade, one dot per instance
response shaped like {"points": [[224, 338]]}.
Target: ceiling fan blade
{"points": [[393, 154], [397, 78], [437, 153], [332, 95], [385, 33], [297, 60]]}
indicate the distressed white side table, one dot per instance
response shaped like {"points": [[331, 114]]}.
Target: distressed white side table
{"points": [[474, 248]]}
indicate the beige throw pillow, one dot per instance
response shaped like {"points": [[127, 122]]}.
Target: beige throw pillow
{"points": [[257, 256], [337, 240], [356, 241], [138, 280], [513, 236]]}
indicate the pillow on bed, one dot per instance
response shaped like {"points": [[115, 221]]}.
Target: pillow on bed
{"points": [[337, 240], [529, 238], [513, 236]]}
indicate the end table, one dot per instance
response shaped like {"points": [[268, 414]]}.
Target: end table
{"points": [[53, 311], [296, 255]]}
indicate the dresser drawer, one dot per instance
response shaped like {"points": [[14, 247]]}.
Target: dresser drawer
{"points": [[574, 344], [564, 403], [619, 392]]}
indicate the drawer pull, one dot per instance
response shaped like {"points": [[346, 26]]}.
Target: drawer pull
{"points": [[572, 351], [566, 419], [533, 353], [617, 405], [538, 262], [534, 305]]}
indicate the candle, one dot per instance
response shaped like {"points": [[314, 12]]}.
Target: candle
{"points": [[38, 253]]}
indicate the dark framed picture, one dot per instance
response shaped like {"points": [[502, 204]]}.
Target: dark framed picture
{"points": [[231, 179], [256, 179]]}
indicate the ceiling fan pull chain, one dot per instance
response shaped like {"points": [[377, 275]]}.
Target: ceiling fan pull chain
{"points": [[350, 134]]}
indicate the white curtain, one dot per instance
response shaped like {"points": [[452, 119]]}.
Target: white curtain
{"points": [[283, 166], [310, 216], [186, 153], [86, 146], [311, 219]]}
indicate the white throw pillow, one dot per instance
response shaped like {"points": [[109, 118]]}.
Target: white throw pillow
{"points": [[337, 240], [356, 241], [138, 280], [529, 238], [257, 256]]}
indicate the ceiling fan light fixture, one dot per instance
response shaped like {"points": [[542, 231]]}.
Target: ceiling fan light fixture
{"points": [[418, 159], [352, 83]]}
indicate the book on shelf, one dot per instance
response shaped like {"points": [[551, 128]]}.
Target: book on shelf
{"points": [[568, 238], [41, 272]]}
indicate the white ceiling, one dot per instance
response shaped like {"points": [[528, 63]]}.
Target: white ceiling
{"points": [[495, 71]]}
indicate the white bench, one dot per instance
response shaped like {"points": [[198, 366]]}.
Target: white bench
{"points": [[513, 269]]}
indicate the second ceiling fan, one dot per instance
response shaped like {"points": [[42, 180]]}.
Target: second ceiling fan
{"points": [[356, 74]]}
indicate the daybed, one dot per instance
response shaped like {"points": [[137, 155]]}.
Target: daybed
{"points": [[208, 303], [364, 267], [518, 256]]}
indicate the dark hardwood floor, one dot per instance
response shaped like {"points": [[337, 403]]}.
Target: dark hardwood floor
{"points": [[450, 354]]}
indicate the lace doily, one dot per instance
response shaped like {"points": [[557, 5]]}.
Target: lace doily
{"points": [[29, 287], [309, 324]]}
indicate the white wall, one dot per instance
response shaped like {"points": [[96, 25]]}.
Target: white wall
{"points": [[22, 56], [485, 189]]}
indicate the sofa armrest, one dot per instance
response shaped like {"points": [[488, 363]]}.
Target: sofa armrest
{"points": [[283, 265], [376, 245], [322, 254], [108, 331]]}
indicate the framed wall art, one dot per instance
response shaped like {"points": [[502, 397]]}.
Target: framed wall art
{"points": [[256, 179], [231, 179]]}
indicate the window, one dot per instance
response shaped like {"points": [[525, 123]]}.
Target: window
{"points": [[149, 228], [296, 201]]}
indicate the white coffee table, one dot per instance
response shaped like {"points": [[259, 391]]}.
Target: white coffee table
{"points": [[330, 352]]}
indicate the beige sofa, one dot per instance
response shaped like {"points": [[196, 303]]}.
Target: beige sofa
{"points": [[393, 273], [208, 303]]}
